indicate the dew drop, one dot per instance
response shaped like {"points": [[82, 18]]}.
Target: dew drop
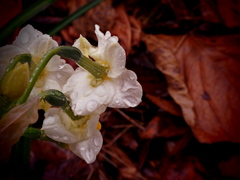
{"points": [[24, 37], [55, 129], [74, 95], [96, 141], [65, 137], [88, 92], [79, 112], [91, 106], [55, 137], [101, 91], [89, 155], [82, 148], [117, 101], [130, 101]]}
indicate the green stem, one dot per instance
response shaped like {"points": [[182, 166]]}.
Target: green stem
{"points": [[37, 134], [73, 16], [23, 17], [97, 70], [63, 51]]}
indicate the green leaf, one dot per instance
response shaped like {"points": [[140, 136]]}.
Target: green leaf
{"points": [[23, 17]]}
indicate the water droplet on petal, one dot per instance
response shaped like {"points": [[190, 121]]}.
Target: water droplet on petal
{"points": [[130, 101], [88, 92], [91, 106], [79, 112], [97, 141], [82, 148], [49, 121], [132, 76], [65, 137], [89, 155], [55, 137], [73, 106], [74, 95], [101, 91], [117, 101], [55, 129], [24, 37]]}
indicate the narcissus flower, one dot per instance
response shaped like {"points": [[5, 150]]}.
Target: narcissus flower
{"points": [[119, 88], [32, 41], [82, 136]]}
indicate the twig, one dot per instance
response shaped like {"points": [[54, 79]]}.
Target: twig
{"points": [[119, 135], [130, 119]]}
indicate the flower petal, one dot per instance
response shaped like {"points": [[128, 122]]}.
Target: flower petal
{"points": [[85, 98], [14, 123], [56, 125], [109, 53], [89, 148], [128, 91]]}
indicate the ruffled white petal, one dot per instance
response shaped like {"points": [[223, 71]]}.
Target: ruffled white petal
{"points": [[128, 91], [89, 148], [85, 98], [58, 126]]}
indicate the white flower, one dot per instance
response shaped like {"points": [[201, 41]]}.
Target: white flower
{"points": [[83, 137], [119, 89], [33, 42]]}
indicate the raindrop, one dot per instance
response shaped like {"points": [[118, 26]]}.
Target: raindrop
{"points": [[79, 112], [96, 141], [55, 129], [91, 106], [89, 155], [24, 37], [130, 101], [74, 95], [101, 91], [82, 148], [88, 92], [55, 137], [117, 101], [132, 76], [65, 137]]}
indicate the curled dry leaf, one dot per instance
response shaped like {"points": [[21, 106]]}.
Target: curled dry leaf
{"points": [[203, 78], [14, 123]]}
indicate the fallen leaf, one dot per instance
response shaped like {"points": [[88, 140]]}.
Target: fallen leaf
{"points": [[103, 15], [203, 78], [161, 126], [167, 105]]}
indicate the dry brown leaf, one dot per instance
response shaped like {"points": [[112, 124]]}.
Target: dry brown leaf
{"points": [[221, 11], [203, 76], [167, 105], [162, 127]]}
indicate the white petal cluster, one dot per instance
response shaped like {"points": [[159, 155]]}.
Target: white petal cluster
{"points": [[37, 44], [120, 89], [84, 140]]}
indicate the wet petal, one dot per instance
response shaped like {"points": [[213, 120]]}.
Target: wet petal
{"points": [[88, 149], [128, 91], [86, 98], [56, 125]]}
